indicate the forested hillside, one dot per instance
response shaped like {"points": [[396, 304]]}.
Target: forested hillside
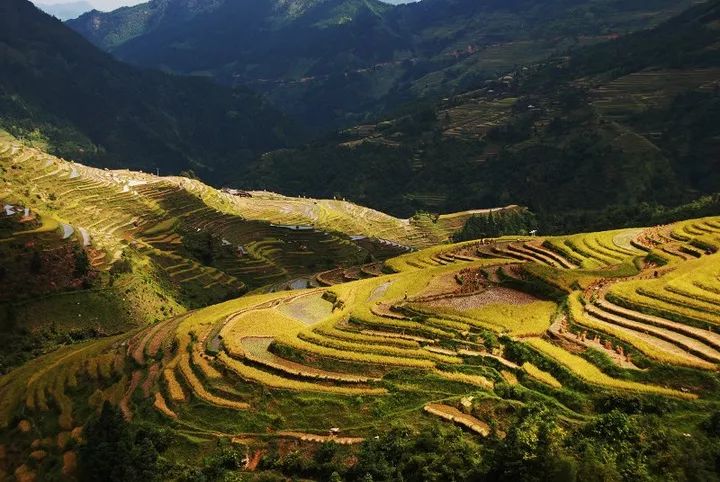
{"points": [[336, 62], [59, 91], [613, 133]]}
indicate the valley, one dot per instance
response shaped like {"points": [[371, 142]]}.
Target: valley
{"points": [[358, 57], [362, 241], [584, 140]]}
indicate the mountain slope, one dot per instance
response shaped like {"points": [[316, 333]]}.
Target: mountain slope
{"points": [[335, 61], [89, 252], [608, 337], [66, 11], [111, 29], [601, 130], [60, 90]]}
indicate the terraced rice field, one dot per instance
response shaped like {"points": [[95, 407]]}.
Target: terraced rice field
{"points": [[253, 241], [596, 250], [429, 334], [640, 91], [592, 375], [681, 295], [454, 415]]}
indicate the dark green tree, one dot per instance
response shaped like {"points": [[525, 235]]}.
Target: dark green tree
{"points": [[112, 452], [82, 263], [36, 263], [439, 453]]}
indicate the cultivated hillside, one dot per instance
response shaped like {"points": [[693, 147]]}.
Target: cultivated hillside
{"points": [[96, 242], [155, 328], [332, 62], [612, 332], [586, 140]]}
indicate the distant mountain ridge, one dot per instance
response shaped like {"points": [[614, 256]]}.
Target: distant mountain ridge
{"points": [[335, 62], [66, 11], [111, 29], [60, 91], [616, 132]]}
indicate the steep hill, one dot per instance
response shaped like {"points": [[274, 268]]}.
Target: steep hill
{"points": [[111, 29], [89, 252], [68, 96], [331, 62], [605, 340], [608, 134]]}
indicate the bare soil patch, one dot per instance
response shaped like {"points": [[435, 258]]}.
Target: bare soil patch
{"points": [[493, 295]]}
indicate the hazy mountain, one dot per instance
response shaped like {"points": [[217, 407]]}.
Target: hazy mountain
{"points": [[333, 62], [109, 5], [66, 11], [59, 89], [111, 29], [599, 136]]}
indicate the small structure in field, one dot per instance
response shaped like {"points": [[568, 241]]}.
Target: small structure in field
{"points": [[235, 192]]}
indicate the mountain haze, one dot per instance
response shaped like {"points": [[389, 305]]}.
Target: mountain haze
{"points": [[61, 91], [65, 11], [357, 57], [601, 130]]}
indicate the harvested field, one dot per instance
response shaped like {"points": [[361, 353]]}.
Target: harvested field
{"points": [[135, 380], [454, 415], [265, 322], [173, 387], [591, 374], [540, 375], [308, 309], [162, 407], [201, 392], [476, 380], [441, 285], [270, 380], [493, 295]]}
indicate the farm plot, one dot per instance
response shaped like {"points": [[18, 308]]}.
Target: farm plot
{"points": [[452, 414], [678, 295], [256, 349], [592, 375], [529, 317], [661, 344]]}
